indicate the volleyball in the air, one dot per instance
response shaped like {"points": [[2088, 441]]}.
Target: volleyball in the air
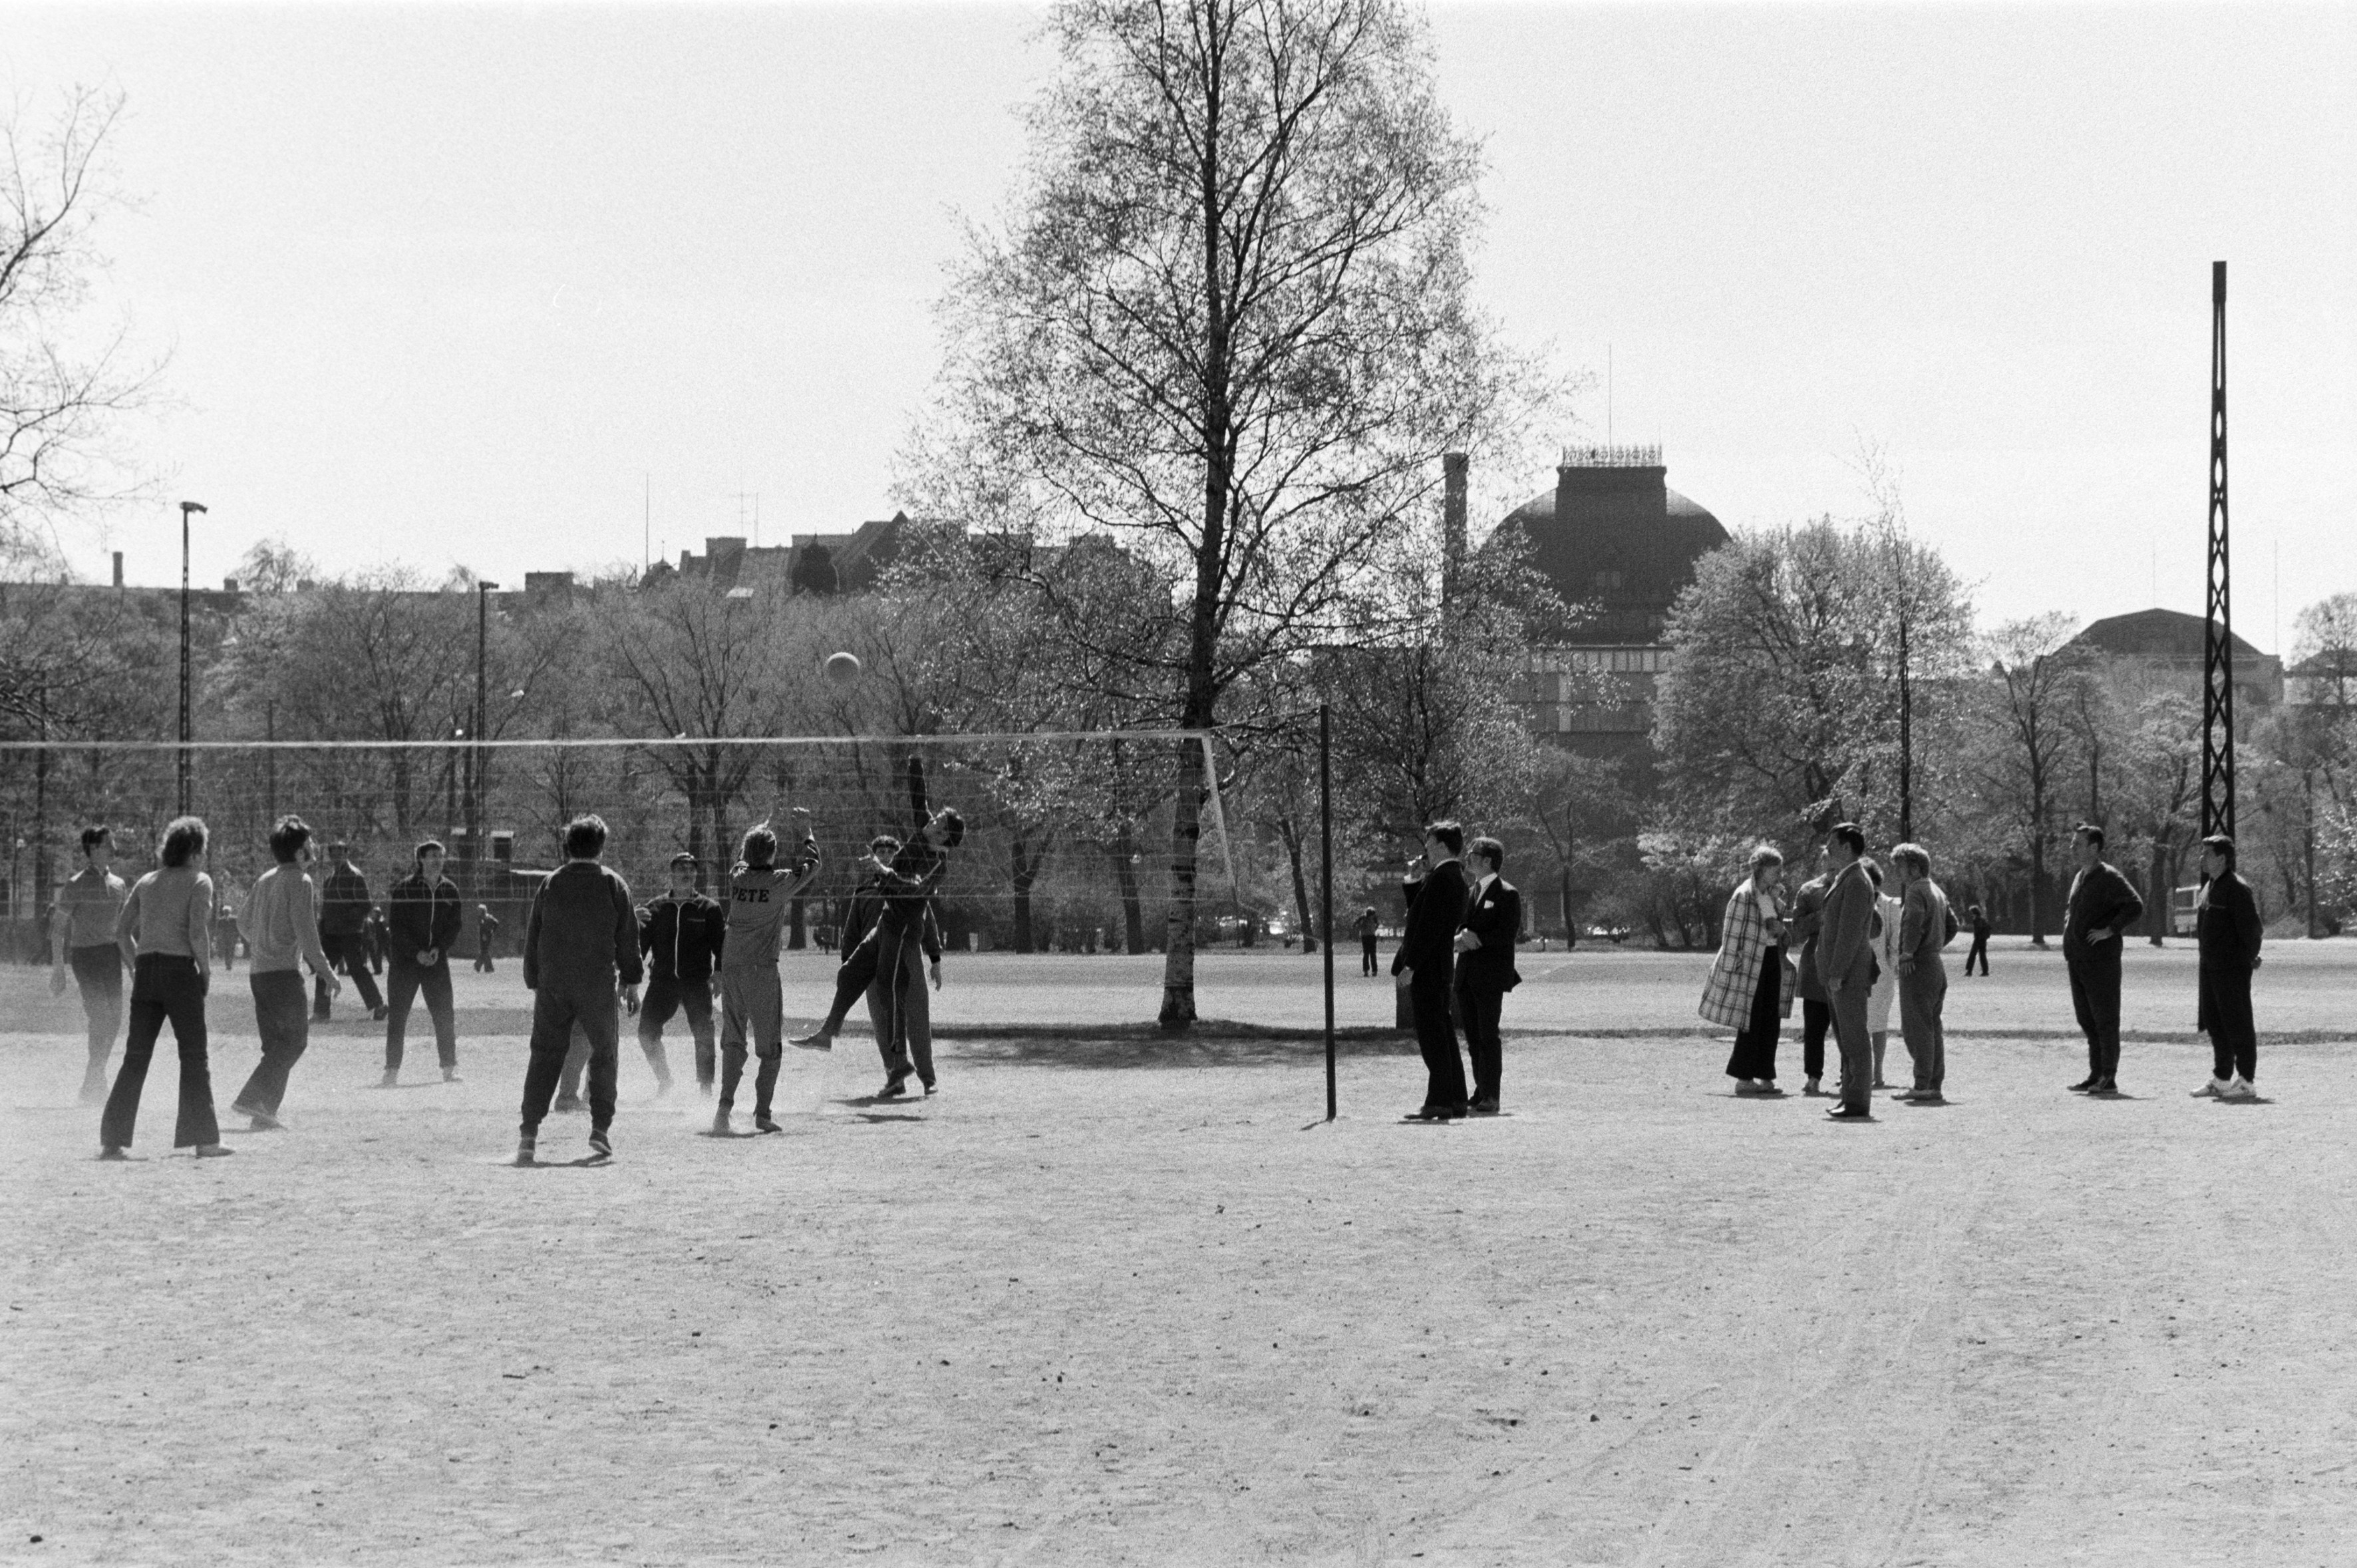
{"points": [[843, 669]]}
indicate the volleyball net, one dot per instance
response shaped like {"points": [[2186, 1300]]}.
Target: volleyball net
{"points": [[1070, 838]]}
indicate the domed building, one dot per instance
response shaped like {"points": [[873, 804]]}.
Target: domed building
{"points": [[1615, 540]]}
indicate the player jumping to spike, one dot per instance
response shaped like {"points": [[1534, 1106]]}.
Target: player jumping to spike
{"points": [[906, 884], [752, 998]]}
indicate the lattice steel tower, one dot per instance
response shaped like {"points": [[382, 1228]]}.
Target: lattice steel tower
{"points": [[2218, 623]]}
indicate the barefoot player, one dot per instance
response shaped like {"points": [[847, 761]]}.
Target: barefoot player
{"points": [[752, 999]]}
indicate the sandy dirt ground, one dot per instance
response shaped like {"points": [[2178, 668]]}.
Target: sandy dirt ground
{"points": [[1108, 1302]]}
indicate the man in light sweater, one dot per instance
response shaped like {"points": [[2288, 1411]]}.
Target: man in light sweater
{"points": [[281, 925], [752, 999], [580, 940], [82, 936]]}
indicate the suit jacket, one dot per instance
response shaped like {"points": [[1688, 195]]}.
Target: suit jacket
{"points": [[1436, 913], [2227, 924], [1845, 940], [1808, 915], [1494, 914], [1923, 927], [2101, 898]]}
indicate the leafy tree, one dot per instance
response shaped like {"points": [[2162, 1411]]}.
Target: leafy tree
{"points": [[2027, 739]]}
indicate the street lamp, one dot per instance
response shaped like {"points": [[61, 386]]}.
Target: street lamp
{"points": [[186, 727], [483, 590]]}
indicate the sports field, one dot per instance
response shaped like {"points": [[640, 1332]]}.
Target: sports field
{"points": [[1109, 1300]]}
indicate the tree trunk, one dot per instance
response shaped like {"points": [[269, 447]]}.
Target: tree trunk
{"points": [[1124, 877], [2037, 864], [1309, 932], [2161, 900], [1179, 923], [1022, 872]]}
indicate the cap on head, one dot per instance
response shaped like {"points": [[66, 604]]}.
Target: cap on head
{"points": [[683, 858]]}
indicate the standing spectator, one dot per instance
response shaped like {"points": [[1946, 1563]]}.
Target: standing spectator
{"points": [[424, 923], [682, 935], [2227, 925], [2103, 903], [225, 934], [1816, 1010], [1979, 918], [1845, 966], [376, 936], [81, 937], [343, 924], [1485, 967], [1886, 969], [580, 943], [1425, 966], [1367, 925], [166, 933], [487, 931], [1925, 925], [1751, 984], [282, 933]]}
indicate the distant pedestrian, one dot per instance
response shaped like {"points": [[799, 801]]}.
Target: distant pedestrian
{"points": [[1978, 918], [581, 945], [281, 933], [1845, 966], [82, 940], [422, 927], [487, 931], [225, 933], [166, 933], [2103, 905], [2227, 925], [1925, 927], [1751, 984], [1816, 1009], [343, 926], [1367, 925]]}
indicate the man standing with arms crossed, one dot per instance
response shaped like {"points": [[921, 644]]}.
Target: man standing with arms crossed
{"points": [[2102, 905], [343, 918], [1846, 968], [82, 935]]}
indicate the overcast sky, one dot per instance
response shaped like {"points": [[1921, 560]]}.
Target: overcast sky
{"points": [[448, 284]]}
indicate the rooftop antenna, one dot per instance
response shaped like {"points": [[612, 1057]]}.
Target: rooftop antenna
{"points": [[647, 529]]}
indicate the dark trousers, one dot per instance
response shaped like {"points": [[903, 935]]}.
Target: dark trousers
{"points": [[1480, 1006], [2095, 997], [1979, 953], [2226, 1014], [1436, 1038], [164, 985], [1367, 965], [1815, 1019], [1856, 1043], [407, 981], [284, 1026], [668, 996], [903, 1016], [1754, 1055], [351, 953], [98, 971], [860, 966], [555, 1014], [1922, 999]]}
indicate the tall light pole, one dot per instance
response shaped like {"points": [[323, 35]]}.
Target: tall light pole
{"points": [[186, 727], [474, 769]]}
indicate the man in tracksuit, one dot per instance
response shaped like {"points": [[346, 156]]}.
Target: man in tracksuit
{"points": [[906, 884], [897, 1004], [2103, 903], [423, 925], [682, 935], [580, 939], [343, 918], [752, 998]]}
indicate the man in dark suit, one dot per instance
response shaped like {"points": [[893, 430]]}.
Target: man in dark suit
{"points": [[1426, 964], [1845, 949], [2103, 903], [2227, 924], [1485, 965]]}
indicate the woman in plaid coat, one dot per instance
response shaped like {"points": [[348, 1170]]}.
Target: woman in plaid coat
{"points": [[1751, 985]]}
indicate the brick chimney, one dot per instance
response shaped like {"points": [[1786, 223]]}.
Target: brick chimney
{"points": [[118, 568]]}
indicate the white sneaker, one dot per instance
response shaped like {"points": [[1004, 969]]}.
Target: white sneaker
{"points": [[2238, 1090], [2214, 1089]]}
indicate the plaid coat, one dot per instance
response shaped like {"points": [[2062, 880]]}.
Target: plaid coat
{"points": [[1735, 974]]}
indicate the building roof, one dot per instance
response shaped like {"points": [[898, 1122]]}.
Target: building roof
{"points": [[2155, 633], [1612, 534]]}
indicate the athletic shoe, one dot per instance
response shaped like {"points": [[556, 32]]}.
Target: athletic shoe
{"points": [[1843, 1113], [2214, 1089], [764, 1122], [112, 1152], [2107, 1089], [602, 1146], [720, 1122], [2086, 1085], [264, 1122], [525, 1148], [1752, 1086], [380, 1012], [1483, 1108], [392, 1079], [932, 1088], [450, 1075], [1925, 1097], [2239, 1088], [816, 1040], [241, 1109], [894, 1088], [1813, 1089], [214, 1151]]}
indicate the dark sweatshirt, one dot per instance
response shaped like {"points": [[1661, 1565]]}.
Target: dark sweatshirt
{"points": [[683, 938], [2101, 898], [581, 932], [422, 917]]}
